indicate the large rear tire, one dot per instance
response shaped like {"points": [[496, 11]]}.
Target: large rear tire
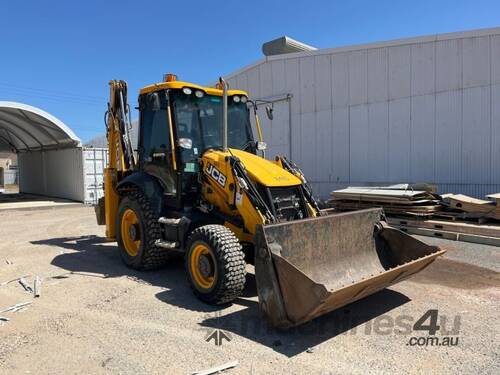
{"points": [[215, 264], [137, 230]]}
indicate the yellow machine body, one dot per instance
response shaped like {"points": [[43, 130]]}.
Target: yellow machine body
{"points": [[305, 265], [222, 191], [176, 85]]}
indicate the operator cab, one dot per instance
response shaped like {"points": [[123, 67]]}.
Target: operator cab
{"points": [[178, 122]]}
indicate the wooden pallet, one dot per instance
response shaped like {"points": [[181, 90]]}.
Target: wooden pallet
{"points": [[425, 212], [488, 209], [457, 231], [450, 226], [461, 217], [482, 240], [388, 208]]}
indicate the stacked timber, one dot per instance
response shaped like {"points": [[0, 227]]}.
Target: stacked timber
{"points": [[486, 234], [395, 200], [406, 200], [454, 221], [473, 207], [423, 212]]}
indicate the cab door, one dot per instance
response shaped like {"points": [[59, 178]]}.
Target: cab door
{"points": [[155, 152]]}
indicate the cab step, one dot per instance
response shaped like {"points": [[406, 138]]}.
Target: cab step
{"points": [[173, 232], [169, 220], [167, 244]]}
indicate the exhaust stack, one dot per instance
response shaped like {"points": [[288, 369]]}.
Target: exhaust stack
{"points": [[224, 113]]}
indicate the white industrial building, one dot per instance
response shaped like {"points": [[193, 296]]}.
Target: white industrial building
{"points": [[423, 109]]}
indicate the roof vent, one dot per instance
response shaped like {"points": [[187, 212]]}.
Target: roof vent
{"points": [[284, 45]]}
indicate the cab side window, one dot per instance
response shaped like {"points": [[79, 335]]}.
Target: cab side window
{"points": [[155, 135]]}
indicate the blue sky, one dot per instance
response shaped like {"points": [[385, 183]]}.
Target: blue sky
{"points": [[59, 55]]}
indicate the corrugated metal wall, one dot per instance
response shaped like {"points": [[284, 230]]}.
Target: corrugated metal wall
{"points": [[55, 173], [420, 110]]}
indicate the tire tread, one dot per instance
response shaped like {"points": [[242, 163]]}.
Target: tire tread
{"points": [[230, 259], [153, 257]]}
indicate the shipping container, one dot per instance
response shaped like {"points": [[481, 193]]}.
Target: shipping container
{"points": [[94, 163], [10, 177], [72, 173]]}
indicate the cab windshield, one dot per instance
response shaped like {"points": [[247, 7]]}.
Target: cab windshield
{"points": [[198, 116]]}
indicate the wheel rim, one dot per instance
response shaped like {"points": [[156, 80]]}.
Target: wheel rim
{"points": [[130, 232], [202, 266]]}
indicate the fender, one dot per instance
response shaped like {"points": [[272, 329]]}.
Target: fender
{"points": [[149, 185]]}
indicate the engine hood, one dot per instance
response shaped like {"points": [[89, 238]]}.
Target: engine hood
{"points": [[260, 170]]}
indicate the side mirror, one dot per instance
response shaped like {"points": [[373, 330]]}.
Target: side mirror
{"points": [[185, 143], [154, 101], [261, 146], [269, 112]]}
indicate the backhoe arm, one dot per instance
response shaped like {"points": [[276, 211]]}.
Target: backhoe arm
{"points": [[120, 152]]}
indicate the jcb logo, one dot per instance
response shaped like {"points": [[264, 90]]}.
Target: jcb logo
{"points": [[216, 175]]}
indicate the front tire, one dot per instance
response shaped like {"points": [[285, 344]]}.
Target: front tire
{"points": [[215, 264], [137, 230]]}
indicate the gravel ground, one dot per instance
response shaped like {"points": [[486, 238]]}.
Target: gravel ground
{"points": [[96, 316]]}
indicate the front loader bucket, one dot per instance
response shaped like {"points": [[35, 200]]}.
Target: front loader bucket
{"points": [[306, 268]]}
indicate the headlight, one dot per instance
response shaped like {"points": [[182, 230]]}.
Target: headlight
{"points": [[199, 94], [236, 99], [185, 143], [244, 99], [187, 91], [261, 146]]}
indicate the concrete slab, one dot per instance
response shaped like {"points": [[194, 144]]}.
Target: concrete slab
{"points": [[21, 201]]}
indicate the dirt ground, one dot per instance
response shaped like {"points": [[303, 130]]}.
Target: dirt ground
{"points": [[96, 316]]}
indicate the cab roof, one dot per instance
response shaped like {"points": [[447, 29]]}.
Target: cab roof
{"points": [[180, 84]]}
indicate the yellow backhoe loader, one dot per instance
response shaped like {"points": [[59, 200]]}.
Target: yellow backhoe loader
{"points": [[198, 185]]}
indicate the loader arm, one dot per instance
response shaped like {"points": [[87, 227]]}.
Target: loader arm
{"points": [[291, 167]]}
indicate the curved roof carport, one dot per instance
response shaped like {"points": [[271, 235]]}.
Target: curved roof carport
{"points": [[49, 153], [27, 128]]}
